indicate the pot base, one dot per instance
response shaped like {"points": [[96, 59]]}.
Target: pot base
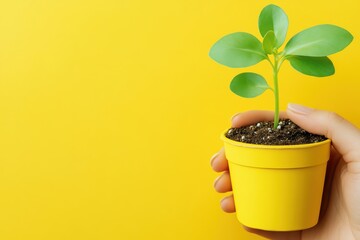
{"points": [[278, 199]]}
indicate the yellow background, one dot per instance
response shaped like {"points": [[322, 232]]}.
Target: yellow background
{"points": [[110, 111]]}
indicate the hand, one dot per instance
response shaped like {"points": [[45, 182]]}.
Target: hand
{"points": [[340, 210]]}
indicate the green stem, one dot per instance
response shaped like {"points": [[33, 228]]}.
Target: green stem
{"points": [[276, 90]]}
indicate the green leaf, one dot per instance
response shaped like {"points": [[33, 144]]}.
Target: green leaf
{"points": [[248, 85], [237, 50], [273, 18], [313, 66], [318, 41], [269, 42]]}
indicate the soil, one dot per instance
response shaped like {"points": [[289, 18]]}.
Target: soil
{"points": [[287, 133]]}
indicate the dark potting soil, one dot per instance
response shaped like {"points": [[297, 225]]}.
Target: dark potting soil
{"points": [[287, 133]]}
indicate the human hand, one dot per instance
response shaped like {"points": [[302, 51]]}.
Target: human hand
{"points": [[340, 211]]}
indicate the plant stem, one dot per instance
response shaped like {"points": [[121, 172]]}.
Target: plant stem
{"points": [[276, 90]]}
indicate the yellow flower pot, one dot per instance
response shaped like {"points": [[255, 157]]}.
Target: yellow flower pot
{"points": [[277, 188]]}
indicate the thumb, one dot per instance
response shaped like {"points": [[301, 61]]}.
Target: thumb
{"points": [[345, 136]]}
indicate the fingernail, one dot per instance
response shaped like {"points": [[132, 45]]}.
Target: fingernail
{"points": [[223, 201], [234, 116], [300, 109], [217, 180], [213, 158]]}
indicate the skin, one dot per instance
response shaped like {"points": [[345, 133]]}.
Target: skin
{"points": [[340, 210]]}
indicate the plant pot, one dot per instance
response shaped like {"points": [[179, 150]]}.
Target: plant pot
{"points": [[277, 188]]}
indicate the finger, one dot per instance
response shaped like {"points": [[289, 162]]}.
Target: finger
{"points": [[223, 183], [251, 117], [345, 136], [227, 204], [219, 162]]}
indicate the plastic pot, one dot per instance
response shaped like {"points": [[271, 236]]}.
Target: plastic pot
{"points": [[277, 188]]}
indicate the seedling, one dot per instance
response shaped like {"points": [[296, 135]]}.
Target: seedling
{"points": [[307, 52]]}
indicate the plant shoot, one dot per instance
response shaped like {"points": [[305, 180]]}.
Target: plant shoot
{"points": [[307, 52]]}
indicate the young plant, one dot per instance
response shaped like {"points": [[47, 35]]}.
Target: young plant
{"points": [[307, 52]]}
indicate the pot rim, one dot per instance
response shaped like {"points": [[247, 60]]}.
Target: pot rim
{"points": [[262, 146]]}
